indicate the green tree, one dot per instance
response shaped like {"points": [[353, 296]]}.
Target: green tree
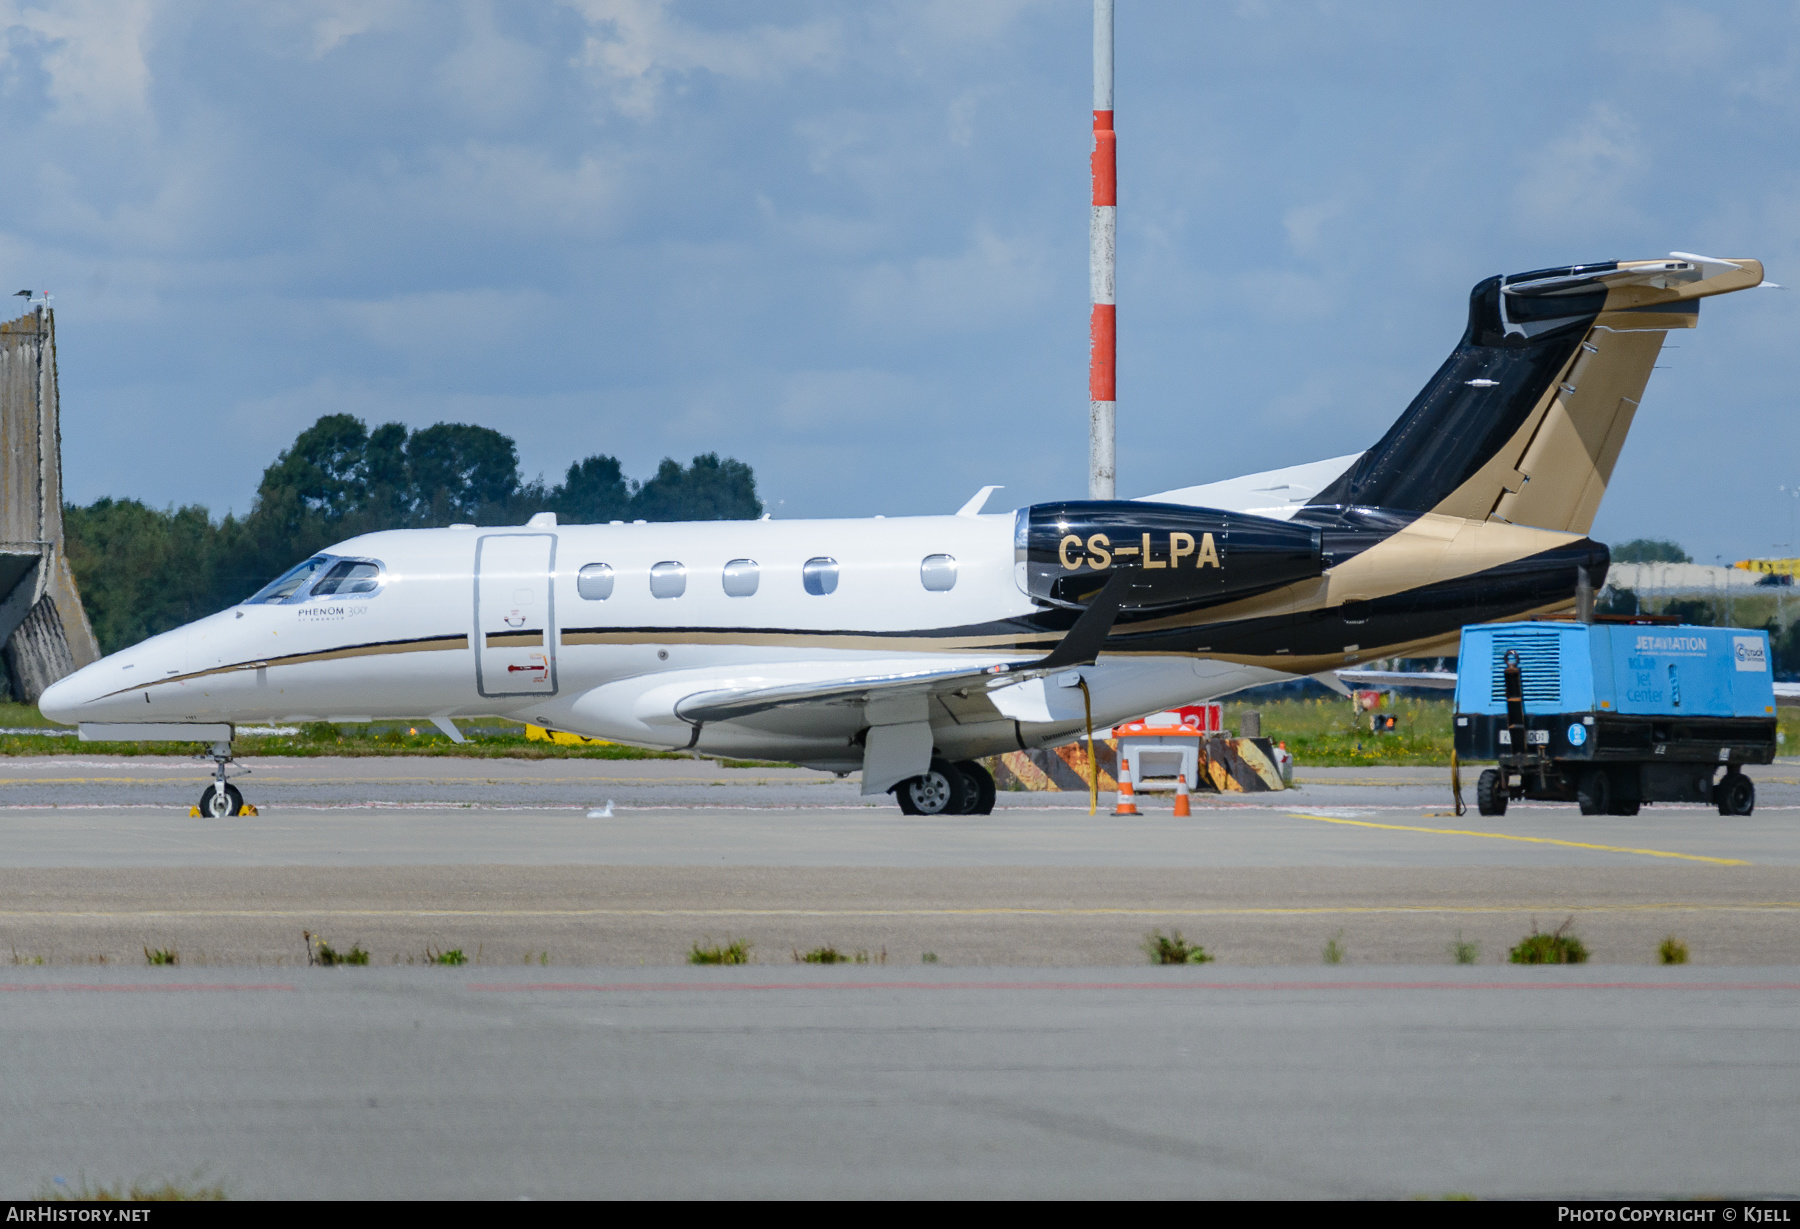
{"points": [[458, 471], [595, 490], [708, 490], [326, 469], [1613, 601], [143, 571], [1784, 647], [1695, 611], [1650, 550]]}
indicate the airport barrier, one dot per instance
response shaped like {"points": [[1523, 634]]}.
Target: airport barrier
{"points": [[538, 733], [1055, 768], [1221, 765]]}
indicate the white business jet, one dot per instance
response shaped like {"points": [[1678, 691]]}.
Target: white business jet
{"points": [[908, 647]]}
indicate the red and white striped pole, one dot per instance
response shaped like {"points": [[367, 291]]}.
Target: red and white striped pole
{"points": [[1102, 233]]}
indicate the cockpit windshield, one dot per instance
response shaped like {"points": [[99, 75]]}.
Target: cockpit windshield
{"points": [[349, 576], [290, 582], [320, 576]]}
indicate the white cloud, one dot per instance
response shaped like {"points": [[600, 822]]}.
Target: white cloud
{"points": [[1680, 40], [636, 46], [992, 283], [843, 404], [1584, 176], [512, 187], [970, 21], [91, 52], [962, 113], [332, 23], [491, 78], [1304, 222], [1284, 296], [428, 324]]}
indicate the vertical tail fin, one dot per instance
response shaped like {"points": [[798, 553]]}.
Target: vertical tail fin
{"points": [[1524, 421]]}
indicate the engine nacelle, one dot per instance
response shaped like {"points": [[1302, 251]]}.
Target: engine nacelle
{"points": [[1065, 552]]}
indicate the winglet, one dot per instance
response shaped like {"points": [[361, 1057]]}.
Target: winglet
{"points": [[978, 501], [1082, 642]]}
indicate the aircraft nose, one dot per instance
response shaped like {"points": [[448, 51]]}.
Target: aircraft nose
{"points": [[62, 698]]}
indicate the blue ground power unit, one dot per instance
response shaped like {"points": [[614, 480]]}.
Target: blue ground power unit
{"points": [[1612, 715]]}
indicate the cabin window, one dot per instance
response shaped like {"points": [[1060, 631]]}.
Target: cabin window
{"points": [[594, 582], [293, 581], [820, 575], [938, 573], [348, 577], [668, 579], [741, 578]]}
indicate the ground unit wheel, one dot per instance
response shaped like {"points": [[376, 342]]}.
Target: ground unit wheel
{"points": [[980, 799], [936, 791], [1594, 795], [1490, 794], [217, 805], [1736, 794], [1623, 808]]}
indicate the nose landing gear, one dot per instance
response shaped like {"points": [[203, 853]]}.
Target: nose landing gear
{"points": [[221, 798]]}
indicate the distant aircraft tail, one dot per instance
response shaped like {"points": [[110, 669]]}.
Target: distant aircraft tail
{"points": [[1524, 421]]}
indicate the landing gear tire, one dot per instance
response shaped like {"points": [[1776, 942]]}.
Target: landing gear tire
{"points": [[981, 794], [1490, 795], [217, 805], [1594, 795], [936, 791], [1736, 794]]}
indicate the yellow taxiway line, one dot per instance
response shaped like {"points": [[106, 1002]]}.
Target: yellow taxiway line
{"points": [[1530, 840]]}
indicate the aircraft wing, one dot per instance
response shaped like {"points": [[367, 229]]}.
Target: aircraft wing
{"points": [[1787, 695], [1437, 680], [1079, 646], [727, 704]]}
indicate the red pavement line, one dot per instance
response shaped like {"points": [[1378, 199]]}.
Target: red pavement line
{"points": [[156, 988], [640, 987]]}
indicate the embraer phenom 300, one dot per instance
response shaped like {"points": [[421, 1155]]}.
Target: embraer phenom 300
{"points": [[907, 647]]}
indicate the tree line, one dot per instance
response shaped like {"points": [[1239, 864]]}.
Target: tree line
{"points": [[142, 570]]}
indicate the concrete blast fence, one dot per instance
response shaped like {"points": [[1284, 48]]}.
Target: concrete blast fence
{"points": [[44, 630]]}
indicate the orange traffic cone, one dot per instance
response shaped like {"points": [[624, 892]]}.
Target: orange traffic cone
{"points": [[1181, 797], [1127, 804]]}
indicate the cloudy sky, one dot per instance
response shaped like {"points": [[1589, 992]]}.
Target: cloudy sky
{"points": [[848, 243]]}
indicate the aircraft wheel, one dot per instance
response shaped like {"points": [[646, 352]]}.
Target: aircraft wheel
{"points": [[981, 792], [1736, 794], [935, 791], [1490, 795], [1594, 795], [219, 806]]}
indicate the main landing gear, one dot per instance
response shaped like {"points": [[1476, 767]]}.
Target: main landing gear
{"points": [[964, 788], [221, 798]]}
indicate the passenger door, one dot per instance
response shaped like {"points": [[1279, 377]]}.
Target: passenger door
{"points": [[515, 615]]}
